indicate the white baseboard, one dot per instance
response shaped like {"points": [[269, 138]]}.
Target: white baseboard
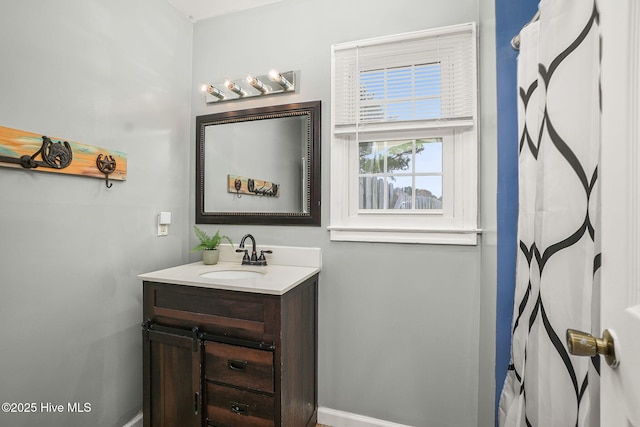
{"points": [[335, 418], [135, 421], [330, 417]]}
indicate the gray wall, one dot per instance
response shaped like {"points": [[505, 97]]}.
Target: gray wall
{"points": [[115, 74], [407, 332]]}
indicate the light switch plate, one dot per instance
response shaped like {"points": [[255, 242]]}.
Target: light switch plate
{"points": [[164, 219]]}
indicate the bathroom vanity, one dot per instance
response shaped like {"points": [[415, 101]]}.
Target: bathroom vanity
{"points": [[230, 345]]}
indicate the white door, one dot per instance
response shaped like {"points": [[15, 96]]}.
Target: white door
{"points": [[620, 186]]}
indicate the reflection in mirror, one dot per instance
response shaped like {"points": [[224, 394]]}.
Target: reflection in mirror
{"points": [[255, 150], [259, 166]]}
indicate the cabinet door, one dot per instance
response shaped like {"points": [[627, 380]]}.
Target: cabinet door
{"points": [[172, 381]]}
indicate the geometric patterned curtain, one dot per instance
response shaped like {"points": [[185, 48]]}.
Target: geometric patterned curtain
{"points": [[557, 271]]}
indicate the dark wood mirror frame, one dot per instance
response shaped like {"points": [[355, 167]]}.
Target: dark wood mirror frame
{"points": [[310, 216]]}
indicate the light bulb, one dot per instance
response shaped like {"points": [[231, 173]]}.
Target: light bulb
{"points": [[275, 76], [235, 88], [212, 91], [256, 84]]}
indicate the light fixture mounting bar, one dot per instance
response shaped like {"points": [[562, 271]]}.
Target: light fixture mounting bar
{"points": [[252, 86]]}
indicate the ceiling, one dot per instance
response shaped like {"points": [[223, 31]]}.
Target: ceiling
{"points": [[196, 10]]}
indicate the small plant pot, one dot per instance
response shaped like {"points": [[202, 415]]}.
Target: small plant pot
{"points": [[210, 256]]}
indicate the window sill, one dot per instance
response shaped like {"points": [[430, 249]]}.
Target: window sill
{"points": [[468, 237]]}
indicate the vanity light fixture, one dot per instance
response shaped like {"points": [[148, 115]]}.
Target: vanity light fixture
{"points": [[233, 87], [257, 84], [213, 91], [275, 76], [250, 86]]}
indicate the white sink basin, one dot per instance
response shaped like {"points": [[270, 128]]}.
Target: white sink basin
{"points": [[232, 274]]}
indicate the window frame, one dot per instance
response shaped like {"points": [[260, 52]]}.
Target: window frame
{"points": [[457, 222]]}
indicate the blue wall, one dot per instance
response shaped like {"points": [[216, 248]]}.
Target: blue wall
{"points": [[511, 16]]}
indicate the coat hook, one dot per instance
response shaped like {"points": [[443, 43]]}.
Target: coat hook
{"points": [[54, 155], [106, 165], [238, 185]]}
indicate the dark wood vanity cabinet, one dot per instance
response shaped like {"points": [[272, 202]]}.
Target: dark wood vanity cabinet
{"points": [[220, 358]]}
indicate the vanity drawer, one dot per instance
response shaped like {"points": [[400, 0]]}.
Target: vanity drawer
{"points": [[239, 366], [232, 314], [231, 407]]}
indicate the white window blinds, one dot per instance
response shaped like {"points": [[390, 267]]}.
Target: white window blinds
{"points": [[424, 77]]}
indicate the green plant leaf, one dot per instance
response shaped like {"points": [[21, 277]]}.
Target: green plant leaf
{"points": [[209, 242]]}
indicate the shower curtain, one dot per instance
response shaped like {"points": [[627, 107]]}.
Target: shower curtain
{"points": [[557, 272]]}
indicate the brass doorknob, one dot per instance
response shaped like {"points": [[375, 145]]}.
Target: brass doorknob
{"points": [[584, 344]]}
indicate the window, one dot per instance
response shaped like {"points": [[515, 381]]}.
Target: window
{"points": [[401, 175], [404, 155]]}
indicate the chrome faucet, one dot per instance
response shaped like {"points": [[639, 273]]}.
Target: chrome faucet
{"points": [[254, 259]]}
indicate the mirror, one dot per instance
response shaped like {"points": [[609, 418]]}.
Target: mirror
{"points": [[259, 166]]}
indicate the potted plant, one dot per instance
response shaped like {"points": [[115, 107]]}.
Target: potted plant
{"points": [[209, 245]]}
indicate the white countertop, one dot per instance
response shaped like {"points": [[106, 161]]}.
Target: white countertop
{"points": [[274, 279]]}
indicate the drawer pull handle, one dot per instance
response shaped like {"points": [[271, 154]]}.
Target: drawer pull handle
{"points": [[237, 365], [239, 408]]}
